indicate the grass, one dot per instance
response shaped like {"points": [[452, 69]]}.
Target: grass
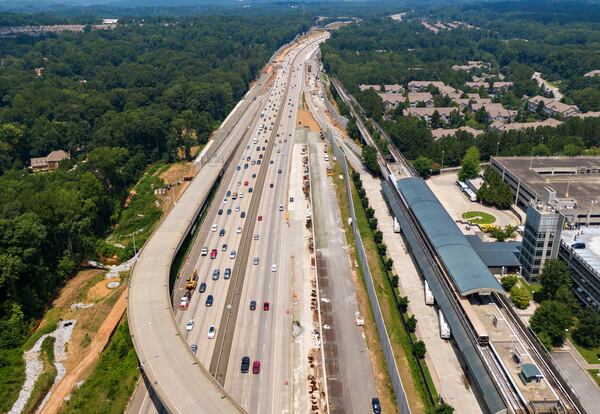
{"points": [[112, 381], [138, 219], [12, 376], [46, 379], [589, 354], [398, 334], [479, 217], [594, 373]]}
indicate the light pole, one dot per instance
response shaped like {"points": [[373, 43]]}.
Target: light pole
{"points": [[442, 161], [497, 148]]}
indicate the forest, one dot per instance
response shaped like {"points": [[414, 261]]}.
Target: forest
{"points": [[117, 100], [517, 41]]}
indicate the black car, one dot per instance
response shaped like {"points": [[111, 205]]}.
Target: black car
{"points": [[376, 405], [243, 214], [250, 189], [202, 288], [279, 171], [209, 301], [220, 212], [228, 211], [245, 364], [222, 232], [246, 166], [252, 305]]}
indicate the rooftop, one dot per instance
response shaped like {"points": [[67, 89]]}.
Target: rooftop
{"points": [[579, 175], [496, 254], [591, 237], [469, 273]]}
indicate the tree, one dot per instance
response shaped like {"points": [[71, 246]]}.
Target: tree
{"points": [[403, 303], [352, 129], [423, 166], [553, 319], [419, 349], [369, 158], [509, 281], [571, 150], [441, 409], [411, 323], [436, 120], [521, 296], [541, 149], [555, 274], [587, 333], [469, 165]]}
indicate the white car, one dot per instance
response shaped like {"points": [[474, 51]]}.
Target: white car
{"points": [[238, 230], [238, 208], [214, 227], [232, 254], [189, 325], [225, 200], [273, 267], [256, 236], [204, 251], [212, 331], [241, 195]]}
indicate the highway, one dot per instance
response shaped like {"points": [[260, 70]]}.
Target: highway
{"points": [[253, 225], [180, 382]]}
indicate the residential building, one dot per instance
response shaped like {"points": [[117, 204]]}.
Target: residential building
{"points": [[414, 98], [427, 113], [589, 115], [419, 86], [517, 126], [592, 73], [393, 88], [391, 100], [441, 132], [49, 163], [498, 87], [472, 64], [478, 84], [495, 112], [580, 249], [541, 239], [552, 107], [569, 184], [465, 103], [364, 87]]}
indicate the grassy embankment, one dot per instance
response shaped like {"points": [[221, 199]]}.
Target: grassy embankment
{"points": [[112, 381]]}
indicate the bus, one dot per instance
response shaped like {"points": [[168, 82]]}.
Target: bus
{"points": [[429, 298]]}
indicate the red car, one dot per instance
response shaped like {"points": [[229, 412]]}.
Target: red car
{"points": [[213, 254], [266, 306], [245, 183], [259, 218], [256, 367]]}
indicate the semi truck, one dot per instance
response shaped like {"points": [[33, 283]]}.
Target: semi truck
{"points": [[445, 332], [429, 298]]}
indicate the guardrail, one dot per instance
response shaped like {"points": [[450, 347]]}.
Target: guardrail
{"points": [[384, 338]]}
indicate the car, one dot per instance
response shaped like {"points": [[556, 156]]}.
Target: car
{"points": [[238, 208], [271, 185], [279, 171], [271, 162], [204, 251], [245, 183], [212, 331], [376, 405], [280, 207], [189, 325], [258, 162], [245, 365], [202, 287], [194, 348], [225, 200], [253, 162], [255, 261], [291, 199], [250, 189], [224, 247], [228, 211], [241, 195], [213, 254], [215, 274], [256, 237], [239, 183], [227, 273], [214, 227], [209, 301], [248, 158], [238, 230], [243, 214], [220, 212], [228, 193], [273, 267], [232, 254], [266, 306], [254, 175], [280, 141], [260, 156], [259, 218], [238, 168], [252, 305], [263, 148], [222, 232], [256, 367], [246, 166]]}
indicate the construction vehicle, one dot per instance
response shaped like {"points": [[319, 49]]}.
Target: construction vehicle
{"points": [[192, 281]]}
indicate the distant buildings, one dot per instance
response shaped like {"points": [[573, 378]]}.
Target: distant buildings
{"points": [[49, 163], [426, 114], [441, 132], [518, 126], [552, 107], [424, 98], [495, 112], [472, 64], [592, 73]]}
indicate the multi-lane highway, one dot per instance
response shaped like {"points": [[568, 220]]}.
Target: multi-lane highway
{"points": [[239, 258]]}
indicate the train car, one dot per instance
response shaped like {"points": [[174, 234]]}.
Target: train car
{"points": [[445, 332], [429, 298]]}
